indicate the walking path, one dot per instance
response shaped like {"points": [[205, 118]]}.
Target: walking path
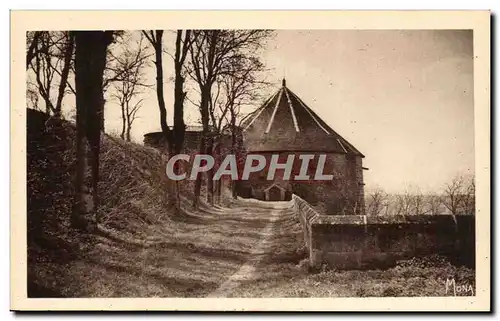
{"points": [[211, 251], [249, 270]]}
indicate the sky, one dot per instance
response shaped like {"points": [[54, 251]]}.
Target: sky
{"points": [[404, 98]]}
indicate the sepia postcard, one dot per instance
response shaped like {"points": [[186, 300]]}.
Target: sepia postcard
{"points": [[250, 160]]}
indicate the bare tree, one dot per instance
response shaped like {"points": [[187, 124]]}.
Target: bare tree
{"points": [[112, 71], [469, 202], [90, 61], [434, 203], [32, 39], [50, 59], [67, 61], [155, 38], [204, 72], [377, 201], [130, 64], [32, 96], [410, 202], [183, 43], [241, 86], [174, 138], [459, 195], [417, 202], [453, 194], [42, 65], [403, 203], [212, 54]]}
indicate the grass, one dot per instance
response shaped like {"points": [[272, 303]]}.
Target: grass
{"points": [[144, 250], [404, 280]]}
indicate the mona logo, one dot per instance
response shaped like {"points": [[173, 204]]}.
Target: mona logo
{"points": [[461, 289]]}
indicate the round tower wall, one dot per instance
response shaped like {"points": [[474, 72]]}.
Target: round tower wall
{"points": [[342, 195]]}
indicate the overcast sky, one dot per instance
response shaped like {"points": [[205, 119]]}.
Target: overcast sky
{"points": [[403, 98]]}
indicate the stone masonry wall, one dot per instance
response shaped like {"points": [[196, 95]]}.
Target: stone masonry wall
{"points": [[360, 241], [341, 196]]}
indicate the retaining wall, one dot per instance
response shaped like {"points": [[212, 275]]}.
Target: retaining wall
{"points": [[360, 241]]}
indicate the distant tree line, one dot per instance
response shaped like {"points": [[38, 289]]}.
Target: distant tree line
{"points": [[457, 197]]}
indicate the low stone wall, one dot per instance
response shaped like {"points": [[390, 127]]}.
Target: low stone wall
{"points": [[360, 241]]}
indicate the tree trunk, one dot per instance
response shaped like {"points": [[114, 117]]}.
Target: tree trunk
{"points": [[179, 126], [124, 121], [159, 83], [205, 96], [172, 186], [129, 128], [233, 149], [47, 106], [68, 54], [210, 174], [219, 190], [156, 41], [197, 184], [100, 114], [218, 183], [32, 48], [179, 130], [90, 61]]}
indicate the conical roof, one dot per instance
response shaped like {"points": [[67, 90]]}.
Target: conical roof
{"points": [[285, 123]]}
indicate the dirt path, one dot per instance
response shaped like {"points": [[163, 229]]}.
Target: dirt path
{"points": [[210, 251], [264, 247]]}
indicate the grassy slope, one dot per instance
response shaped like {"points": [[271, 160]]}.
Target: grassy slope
{"points": [[143, 251]]}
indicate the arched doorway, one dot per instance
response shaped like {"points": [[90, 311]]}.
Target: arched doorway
{"points": [[275, 193]]}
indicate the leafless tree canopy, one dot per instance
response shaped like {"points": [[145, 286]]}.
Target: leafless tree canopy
{"points": [[155, 38], [377, 202], [174, 137], [433, 204], [457, 197], [50, 58], [219, 59], [130, 65]]}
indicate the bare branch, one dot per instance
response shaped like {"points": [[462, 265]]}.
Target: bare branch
{"points": [[377, 202], [32, 47], [129, 68]]}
